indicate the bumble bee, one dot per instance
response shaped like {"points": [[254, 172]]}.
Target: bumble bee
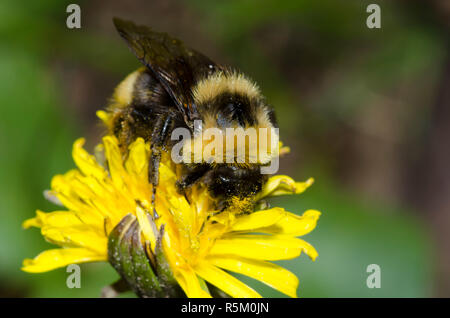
{"points": [[176, 87]]}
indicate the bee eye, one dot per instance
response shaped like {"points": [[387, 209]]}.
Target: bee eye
{"points": [[236, 110], [222, 121], [230, 107], [231, 111]]}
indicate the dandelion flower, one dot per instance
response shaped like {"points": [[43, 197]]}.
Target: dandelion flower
{"points": [[190, 244]]}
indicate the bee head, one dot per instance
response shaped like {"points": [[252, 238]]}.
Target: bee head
{"points": [[229, 99], [232, 108]]}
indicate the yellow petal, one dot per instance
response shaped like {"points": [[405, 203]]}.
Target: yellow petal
{"points": [[65, 229], [262, 247], [137, 162], [86, 162], [309, 250], [32, 222], [115, 163], [272, 275], [189, 282], [256, 220], [61, 219], [63, 186], [51, 259], [149, 230], [294, 225], [103, 116], [166, 175], [281, 185], [224, 281], [77, 236], [283, 150]]}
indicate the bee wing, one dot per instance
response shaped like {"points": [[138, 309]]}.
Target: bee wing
{"points": [[177, 67]]}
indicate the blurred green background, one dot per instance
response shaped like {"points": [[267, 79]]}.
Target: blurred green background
{"points": [[365, 111]]}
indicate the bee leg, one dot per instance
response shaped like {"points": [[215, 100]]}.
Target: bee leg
{"points": [[159, 137], [123, 129], [153, 176], [191, 177]]}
